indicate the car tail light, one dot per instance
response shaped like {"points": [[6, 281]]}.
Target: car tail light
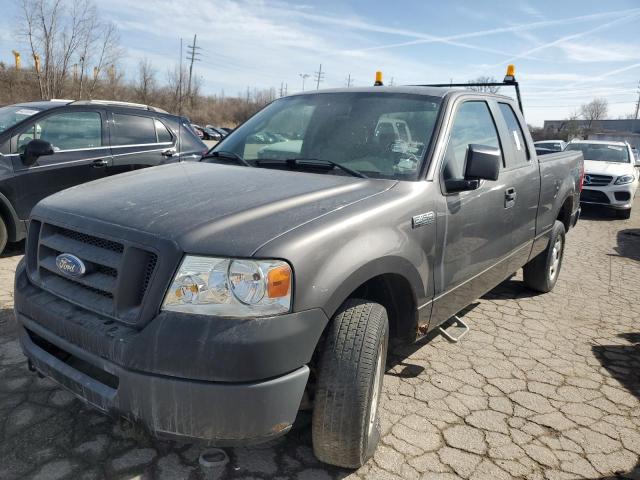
{"points": [[581, 176]]}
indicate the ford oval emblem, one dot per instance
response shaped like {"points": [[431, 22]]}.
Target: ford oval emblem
{"points": [[70, 265]]}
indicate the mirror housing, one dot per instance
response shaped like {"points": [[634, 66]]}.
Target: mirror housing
{"points": [[34, 150], [483, 163]]}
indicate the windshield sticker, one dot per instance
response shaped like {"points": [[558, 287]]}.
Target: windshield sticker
{"points": [[517, 139], [26, 111]]}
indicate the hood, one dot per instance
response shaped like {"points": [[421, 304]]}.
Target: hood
{"points": [[211, 209], [614, 169]]}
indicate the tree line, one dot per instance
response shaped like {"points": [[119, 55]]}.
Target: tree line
{"points": [[70, 52]]}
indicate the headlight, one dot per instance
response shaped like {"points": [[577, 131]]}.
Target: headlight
{"points": [[230, 288], [624, 179]]}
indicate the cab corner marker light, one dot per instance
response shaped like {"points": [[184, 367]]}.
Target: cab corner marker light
{"points": [[378, 81], [279, 281]]}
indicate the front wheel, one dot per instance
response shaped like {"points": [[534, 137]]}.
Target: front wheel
{"points": [[345, 426], [541, 273]]}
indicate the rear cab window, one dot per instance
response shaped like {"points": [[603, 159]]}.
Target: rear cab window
{"points": [[520, 155]]}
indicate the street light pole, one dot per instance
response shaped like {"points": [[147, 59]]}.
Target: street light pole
{"points": [[304, 76]]}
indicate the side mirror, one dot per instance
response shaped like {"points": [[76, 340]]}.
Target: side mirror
{"points": [[34, 150], [482, 163], [216, 137]]}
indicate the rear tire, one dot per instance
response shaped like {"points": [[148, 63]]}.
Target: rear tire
{"points": [[541, 273], [345, 425], [624, 214], [4, 235]]}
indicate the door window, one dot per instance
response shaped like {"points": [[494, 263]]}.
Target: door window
{"points": [[65, 131], [516, 137], [133, 130], [473, 124]]}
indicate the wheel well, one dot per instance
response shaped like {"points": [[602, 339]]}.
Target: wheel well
{"points": [[565, 213], [395, 294]]}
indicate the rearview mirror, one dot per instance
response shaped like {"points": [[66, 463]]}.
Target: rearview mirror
{"points": [[34, 150]]}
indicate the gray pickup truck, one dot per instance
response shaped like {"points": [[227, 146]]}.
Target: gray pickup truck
{"points": [[214, 300]]}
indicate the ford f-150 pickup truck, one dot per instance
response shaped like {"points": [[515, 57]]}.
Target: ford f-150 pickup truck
{"points": [[213, 300]]}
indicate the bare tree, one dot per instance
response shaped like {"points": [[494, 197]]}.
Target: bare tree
{"points": [[484, 88], [63, 33], [146, 81], [596, 109]]}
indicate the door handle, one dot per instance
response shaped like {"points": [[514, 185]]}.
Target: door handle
{"points": [[169, 152], [100, 163], [510, 197]]}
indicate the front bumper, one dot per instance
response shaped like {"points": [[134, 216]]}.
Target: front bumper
{"points": [[162, 377], [619, 197]]}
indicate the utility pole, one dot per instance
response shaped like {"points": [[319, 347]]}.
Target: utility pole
{"points": [[180, 80], [391, 82], [638, 103], [349, 81], [303, 76], [193, 53], [319, 77]]}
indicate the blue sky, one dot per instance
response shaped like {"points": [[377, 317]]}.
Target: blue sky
{"points": [[566, 52]]}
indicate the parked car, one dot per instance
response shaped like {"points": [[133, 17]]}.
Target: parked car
{"points": [[49, 146], [611, 176], [553, 145], [263, 285], [223, 133]]}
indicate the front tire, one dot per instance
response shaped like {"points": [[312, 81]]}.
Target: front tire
{"points": [[541, 273], [624, 214], [345, 425]]}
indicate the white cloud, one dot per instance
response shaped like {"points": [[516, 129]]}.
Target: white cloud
{"points": [[602, 52]]}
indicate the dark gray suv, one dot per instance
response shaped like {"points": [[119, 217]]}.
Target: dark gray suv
{"points": [[48, 146]]}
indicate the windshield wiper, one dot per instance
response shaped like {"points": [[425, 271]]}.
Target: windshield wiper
{"points": [[230, 155], [295, 162]]}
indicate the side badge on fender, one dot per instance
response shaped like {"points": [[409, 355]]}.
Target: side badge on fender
{"points": [[423, 219]]}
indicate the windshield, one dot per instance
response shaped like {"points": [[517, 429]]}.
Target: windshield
{"points": [[379, 135], [11, 115], [602, 152]]}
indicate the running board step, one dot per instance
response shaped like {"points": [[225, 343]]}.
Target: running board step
{"points": [[459, 323]]}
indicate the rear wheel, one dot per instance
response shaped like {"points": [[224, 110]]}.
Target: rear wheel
{"points": [[541, 273], [345, 425], [624, 214]]}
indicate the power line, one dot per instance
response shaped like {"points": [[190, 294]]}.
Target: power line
{"points": [[192, 56], [319, 77]]}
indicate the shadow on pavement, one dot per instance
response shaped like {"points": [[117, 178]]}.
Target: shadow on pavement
{"points": [[597, 213], [510, 289], [629, 243], [13, 249]]}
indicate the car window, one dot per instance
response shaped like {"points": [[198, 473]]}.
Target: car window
{"points": [[163, 133], [65, 131], [516, 137], [473, 124], [602, 152], [132, 130]]}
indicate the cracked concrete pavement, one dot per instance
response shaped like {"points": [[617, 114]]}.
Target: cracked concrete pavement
{"points": [[543, 387]]}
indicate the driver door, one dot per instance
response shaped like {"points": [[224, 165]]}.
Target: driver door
{"points": [[81, 154]]}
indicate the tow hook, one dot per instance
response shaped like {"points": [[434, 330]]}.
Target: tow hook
{"points": [[32, 368]]}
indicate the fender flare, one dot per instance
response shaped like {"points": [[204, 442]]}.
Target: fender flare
{"points": [[16, 228], [380, 266]]}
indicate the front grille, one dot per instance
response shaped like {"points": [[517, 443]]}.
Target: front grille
{"points": [[104, 288], [593, 196], [593, 180]]}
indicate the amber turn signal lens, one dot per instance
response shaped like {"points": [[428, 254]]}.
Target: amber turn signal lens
{"points": [[278, 281]]}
